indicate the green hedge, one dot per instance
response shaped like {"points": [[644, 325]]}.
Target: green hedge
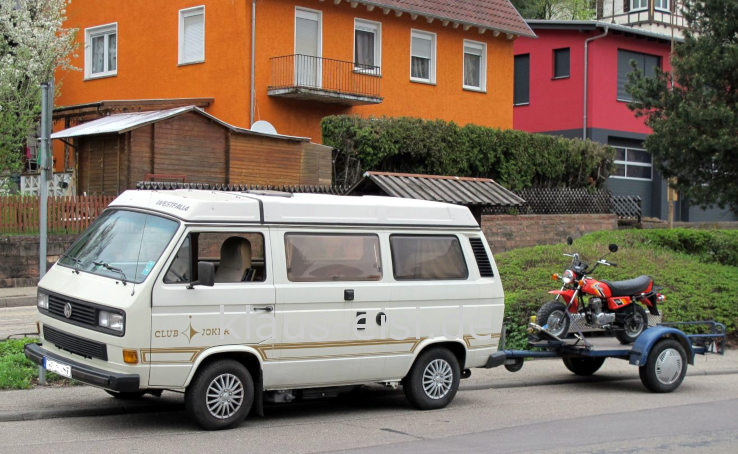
{"points": [[514, 159]]}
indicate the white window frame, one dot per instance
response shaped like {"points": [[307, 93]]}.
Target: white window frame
{"points": [[627, 163], [93, 32], [635, 5], [481, 48], [666, 8], [183, 13], [371, 27], [432, 65]]}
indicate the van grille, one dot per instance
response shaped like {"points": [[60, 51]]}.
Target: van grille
{"points": [[76, 345], [82, 313], [483, 263]]}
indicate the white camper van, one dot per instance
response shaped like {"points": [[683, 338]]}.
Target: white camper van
{"points": [[237, 297]]}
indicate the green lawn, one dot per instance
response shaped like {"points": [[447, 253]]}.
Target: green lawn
{"points": [[697, 269], [17, 372]]}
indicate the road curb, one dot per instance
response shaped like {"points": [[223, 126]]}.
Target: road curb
{"points": [[17, 301]]}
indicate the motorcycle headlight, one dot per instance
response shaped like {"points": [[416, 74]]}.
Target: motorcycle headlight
{"points": [[568, 276], [42, 301], [111, 320]]}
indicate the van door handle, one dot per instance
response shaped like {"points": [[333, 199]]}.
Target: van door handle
{"points": [[262, 309]]}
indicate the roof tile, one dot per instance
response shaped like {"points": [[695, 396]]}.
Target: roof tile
{"points": [[498, 15]]}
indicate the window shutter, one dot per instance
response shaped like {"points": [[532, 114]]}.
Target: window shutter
{"points": [[421, 48], [672, 5], [193, 46], [483, 263]]}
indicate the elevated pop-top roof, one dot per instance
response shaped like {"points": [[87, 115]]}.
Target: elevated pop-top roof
{"points": [[285, 208]]}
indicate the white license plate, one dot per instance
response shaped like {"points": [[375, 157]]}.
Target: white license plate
{"points": [[65, 370]]}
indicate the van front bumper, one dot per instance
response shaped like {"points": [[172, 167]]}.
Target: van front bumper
{"points": [[86, 374]]}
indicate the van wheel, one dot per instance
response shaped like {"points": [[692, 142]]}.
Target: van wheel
{"points": [[220, 396], [434, 379]]}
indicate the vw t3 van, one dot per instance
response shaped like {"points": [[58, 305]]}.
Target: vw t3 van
{"points": [[238, 297]]}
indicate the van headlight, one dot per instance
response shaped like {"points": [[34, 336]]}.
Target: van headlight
{"points": [[43, 301], [111, 320]]}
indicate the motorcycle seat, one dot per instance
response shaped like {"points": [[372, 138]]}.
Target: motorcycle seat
{"points": [[640, 284]]}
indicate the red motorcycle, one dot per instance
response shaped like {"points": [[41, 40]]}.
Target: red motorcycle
{"points": [[586, 302]]}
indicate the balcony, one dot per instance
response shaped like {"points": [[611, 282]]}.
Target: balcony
{"points": [[324, 80]]}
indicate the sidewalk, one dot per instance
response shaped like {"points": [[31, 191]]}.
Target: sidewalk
{"points": [[17, 296], [79, 401]]}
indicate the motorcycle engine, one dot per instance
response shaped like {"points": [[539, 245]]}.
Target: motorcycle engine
{"points": [[599, 318]]}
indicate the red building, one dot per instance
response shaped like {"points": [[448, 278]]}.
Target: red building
{"points": [[571, 81]]}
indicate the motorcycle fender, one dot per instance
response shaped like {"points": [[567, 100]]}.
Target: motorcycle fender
{"points": [[567, 295]]}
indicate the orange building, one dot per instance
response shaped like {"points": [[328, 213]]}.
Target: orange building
{"points": [[293, 62]]}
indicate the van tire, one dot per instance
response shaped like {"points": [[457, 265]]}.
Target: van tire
{"points": [[234, 383], [433, 380]]}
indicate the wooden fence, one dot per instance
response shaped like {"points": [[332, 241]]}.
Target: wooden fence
{"points": [[20, 214]]}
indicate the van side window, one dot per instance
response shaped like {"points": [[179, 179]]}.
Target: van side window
{"points": [[179, 270], [238, 257], [427, 257], [332, 257]]}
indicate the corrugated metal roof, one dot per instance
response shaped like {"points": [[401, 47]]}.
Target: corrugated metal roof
{"points": [[450, 189], [124, 122], [498, 15]]}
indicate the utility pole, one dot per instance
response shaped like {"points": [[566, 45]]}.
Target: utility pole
{"points": [[47, 105]]}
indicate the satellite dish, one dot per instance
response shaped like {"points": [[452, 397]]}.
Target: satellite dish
{"points": [[263, 127]]}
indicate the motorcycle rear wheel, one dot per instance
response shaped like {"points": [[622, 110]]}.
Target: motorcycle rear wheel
{"points": [[554, 318], [634, 323]]}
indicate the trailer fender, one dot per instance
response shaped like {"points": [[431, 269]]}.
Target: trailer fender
{"points": [[646, 341]]}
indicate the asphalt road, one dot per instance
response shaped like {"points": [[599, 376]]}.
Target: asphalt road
{"points": [[610, 413]]}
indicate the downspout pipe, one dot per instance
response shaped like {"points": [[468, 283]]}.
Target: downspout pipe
{"points": [[586, 67], [253, 62]]}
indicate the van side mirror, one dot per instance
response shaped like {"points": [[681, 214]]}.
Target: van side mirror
{"points": [[205, 275], [613, 247]]}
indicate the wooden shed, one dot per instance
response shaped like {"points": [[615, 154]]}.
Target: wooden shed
{"points": [[113, 153]]}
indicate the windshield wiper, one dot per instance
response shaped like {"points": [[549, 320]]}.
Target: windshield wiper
{"points": [[113, 269], [77, 262]]}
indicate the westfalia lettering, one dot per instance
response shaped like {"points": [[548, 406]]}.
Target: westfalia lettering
{"points": [[175, 205]]}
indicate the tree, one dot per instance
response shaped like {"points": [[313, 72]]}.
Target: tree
{"points": [[32, 45], [693, 110], [556, 9]]}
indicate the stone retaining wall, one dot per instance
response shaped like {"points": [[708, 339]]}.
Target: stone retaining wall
{"points": [[505, 232], [19, 258]]}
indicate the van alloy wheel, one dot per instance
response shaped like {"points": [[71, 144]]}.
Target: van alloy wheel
{"points": [[437, 379], [220, 395], [224, 396], [433, 380]]}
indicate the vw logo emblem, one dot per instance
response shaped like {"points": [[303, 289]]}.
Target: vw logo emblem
{"points": [[68, 310]]}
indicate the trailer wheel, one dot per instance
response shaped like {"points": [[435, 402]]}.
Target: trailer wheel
{"points": [[220, 395], [665, 368], [634, 323], [554, 318], [583, 366], [433, 380], [133, 395]]}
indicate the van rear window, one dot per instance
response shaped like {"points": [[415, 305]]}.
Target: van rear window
{"points": [[332, 257], [427, 257]]}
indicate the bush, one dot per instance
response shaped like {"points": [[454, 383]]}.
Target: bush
{"points": [[514, 159], [700, 289]]}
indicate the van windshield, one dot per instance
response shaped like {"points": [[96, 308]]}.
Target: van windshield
{"points": [[121, 244]]}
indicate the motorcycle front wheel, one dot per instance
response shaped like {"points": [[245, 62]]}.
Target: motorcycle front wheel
{"points": [[634, 323], [553, 317]]}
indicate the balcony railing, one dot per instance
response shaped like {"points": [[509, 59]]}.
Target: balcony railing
{"points": [[324, 80]]}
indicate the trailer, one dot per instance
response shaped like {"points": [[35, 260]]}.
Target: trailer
{"points": [[661, 353]]}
